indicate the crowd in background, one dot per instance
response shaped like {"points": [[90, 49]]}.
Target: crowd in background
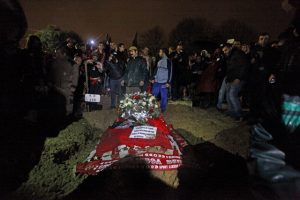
{"points": [[234, 73]]}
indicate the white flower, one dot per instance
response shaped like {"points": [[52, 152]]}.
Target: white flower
{"points": [[139, 108], [151, 99]]}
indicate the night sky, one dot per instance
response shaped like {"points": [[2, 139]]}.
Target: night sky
{"points": [[122, 18]]}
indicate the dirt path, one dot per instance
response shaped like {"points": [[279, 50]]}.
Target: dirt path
{"points": [[195, 124]]}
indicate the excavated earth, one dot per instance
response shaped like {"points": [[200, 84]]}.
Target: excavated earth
{"points": [[211, 135]]}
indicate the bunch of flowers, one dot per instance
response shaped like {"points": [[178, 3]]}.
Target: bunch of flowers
{"points": [[139, 107]]}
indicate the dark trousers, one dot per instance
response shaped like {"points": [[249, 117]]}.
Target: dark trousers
{"points": [[232, 95], [174, 90], [115, 91], [95, 89]]}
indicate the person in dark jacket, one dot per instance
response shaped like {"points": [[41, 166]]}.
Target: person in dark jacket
{"points": [[115, 69], [96, 76], [287, 75], [180, 75], [70, 50], [122, 53], [136, 72], [237, 66], [287, 72], [263, 60], [79, 90], [162, 78], [34, 73]]}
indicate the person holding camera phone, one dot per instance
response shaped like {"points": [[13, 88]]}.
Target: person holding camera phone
{"points": [[96, 77], [115, 69]]}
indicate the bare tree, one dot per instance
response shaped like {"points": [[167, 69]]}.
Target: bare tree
{"points": [[154, 39], [191, 30]]}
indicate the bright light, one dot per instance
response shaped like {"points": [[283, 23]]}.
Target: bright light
{"points": [[92, 42]]}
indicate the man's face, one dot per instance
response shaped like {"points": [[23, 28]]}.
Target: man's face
{"points": [[146, 51], [133, 53], [122, 48], [70, 44], [78, 60], [226, 50], [113, 45], [246, 48], [179, 47], [161, 53], [263, 40]]}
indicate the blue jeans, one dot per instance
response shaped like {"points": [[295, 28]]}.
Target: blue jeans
{"points": [[222, 93], [163, 90], [233, 100], [115, 90]]}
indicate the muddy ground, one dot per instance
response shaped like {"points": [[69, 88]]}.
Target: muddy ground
{"points": [[211, 134]]}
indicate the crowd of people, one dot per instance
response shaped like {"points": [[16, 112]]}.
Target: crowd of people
{"points": [[41, 89], [238, 74]]}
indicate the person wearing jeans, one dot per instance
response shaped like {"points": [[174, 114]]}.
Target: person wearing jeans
{"points": [[233, 100], [162, 78], [237, 67], [221, 96]]}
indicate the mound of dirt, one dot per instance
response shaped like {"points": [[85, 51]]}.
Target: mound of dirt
{"points": [[53, 177]]}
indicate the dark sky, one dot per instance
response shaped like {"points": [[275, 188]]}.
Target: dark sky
{"points": [[122, 18]]}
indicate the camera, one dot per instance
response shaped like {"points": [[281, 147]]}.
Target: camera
{"points": [[114, 57]]}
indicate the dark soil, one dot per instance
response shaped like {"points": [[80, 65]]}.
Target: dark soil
{"points": [[213, 167]]}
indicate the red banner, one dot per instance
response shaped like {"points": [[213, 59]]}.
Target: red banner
{"points": [[160, 153]]}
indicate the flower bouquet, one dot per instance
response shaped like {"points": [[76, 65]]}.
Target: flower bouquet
{"points": [[139, 107]]}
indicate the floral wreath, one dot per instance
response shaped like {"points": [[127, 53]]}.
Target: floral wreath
{"points": [[139, 107]]}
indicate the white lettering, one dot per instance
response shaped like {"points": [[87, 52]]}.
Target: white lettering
{"points": [[163, 167]]}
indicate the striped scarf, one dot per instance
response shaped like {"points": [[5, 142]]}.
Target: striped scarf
{"points": [[291, 112]]}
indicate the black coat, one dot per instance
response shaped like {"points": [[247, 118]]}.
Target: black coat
{"points": [[237, 65], [265, 60], [136, 71], [114, 70], [288, 70]]}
